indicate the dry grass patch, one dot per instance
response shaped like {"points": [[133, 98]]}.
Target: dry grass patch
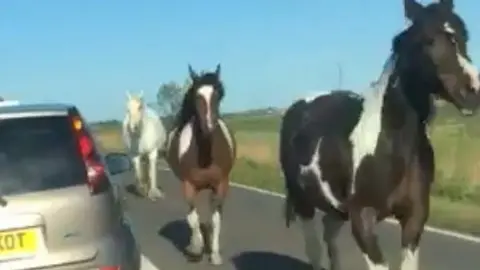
{"points": [[455, 203], [109, 140], [260, 147]]}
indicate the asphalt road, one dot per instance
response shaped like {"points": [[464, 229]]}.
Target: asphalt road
{"points": [[254, 236]]}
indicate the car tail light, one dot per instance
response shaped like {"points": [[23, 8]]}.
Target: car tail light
{"points": [[97, 180]]}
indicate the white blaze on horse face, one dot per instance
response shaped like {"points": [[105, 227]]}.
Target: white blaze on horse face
{"points": [[313, 167], [364, 137], [410, 259], [468, 68], [185, 140], [206, 91], [471, 71], [134, 106]]}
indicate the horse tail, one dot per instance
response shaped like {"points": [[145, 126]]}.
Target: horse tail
{"points": [[289, 213], [292, 121]]}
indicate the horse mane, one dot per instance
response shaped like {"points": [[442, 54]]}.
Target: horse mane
{"points": [[403, 44], [187, 110]]}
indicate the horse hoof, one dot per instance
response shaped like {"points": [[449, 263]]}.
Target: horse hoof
{"points": [[194, 254], [216, 259], [155, 194], [194, 258], [142, 190]]}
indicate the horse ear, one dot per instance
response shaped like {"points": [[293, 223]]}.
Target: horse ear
{"points": [[140, 95], [217, 70], [447, 4], [412, 9], [193, 74], [129, 96]]}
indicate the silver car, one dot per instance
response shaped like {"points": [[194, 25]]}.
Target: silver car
{"points": [[58, 205]]}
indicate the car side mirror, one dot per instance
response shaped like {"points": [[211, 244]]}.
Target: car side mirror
{"points": [[118, 163]]}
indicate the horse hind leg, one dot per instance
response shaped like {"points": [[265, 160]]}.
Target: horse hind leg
{"points": [[313, 247], [331, 230], [154, 192], [299, 205]]}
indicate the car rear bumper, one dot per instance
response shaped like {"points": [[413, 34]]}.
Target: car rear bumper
{"points": [[116, 249]]}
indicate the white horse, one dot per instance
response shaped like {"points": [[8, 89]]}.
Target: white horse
{"points": [[144, 135]]}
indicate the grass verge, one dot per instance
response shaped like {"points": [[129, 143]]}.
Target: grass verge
{"points": [[455, 202], [444, 213]]}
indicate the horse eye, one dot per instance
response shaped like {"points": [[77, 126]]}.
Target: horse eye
{"points": [[451, 37]]}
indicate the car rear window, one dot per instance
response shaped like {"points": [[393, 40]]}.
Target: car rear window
{"points": [[38, 154]]}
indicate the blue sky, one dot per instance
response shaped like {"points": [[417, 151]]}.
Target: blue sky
{"points": [[89, 52]]}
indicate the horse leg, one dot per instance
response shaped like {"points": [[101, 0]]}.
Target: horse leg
{"points": [[313, 247], [138, 167], [413, 223], [331, 230], [363, 223], [195, 248], [216, 206], [154, 192], [412, 229]]}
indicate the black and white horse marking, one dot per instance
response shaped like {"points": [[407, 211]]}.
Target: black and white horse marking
{"points": [[368, 157]]}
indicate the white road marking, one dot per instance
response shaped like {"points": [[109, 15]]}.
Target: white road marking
{"points": [[146, 264], [444, 232]]}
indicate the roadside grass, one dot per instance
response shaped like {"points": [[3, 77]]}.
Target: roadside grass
{"points": [[455, 204], [455, 201]]}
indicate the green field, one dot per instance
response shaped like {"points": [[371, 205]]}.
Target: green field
{"points": [[456, 191]]}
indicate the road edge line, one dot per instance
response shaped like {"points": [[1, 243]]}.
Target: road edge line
{"points": [[146, 264], [458, 235], [445, 232]]}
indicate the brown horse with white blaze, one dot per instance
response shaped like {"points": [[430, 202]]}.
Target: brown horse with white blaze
{"points": [[201, 152]]}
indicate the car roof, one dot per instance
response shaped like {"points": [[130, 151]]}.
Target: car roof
{"points": [[13, 108]]}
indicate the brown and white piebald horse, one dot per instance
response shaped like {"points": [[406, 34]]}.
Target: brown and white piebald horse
{"points": [[201, 152]]}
